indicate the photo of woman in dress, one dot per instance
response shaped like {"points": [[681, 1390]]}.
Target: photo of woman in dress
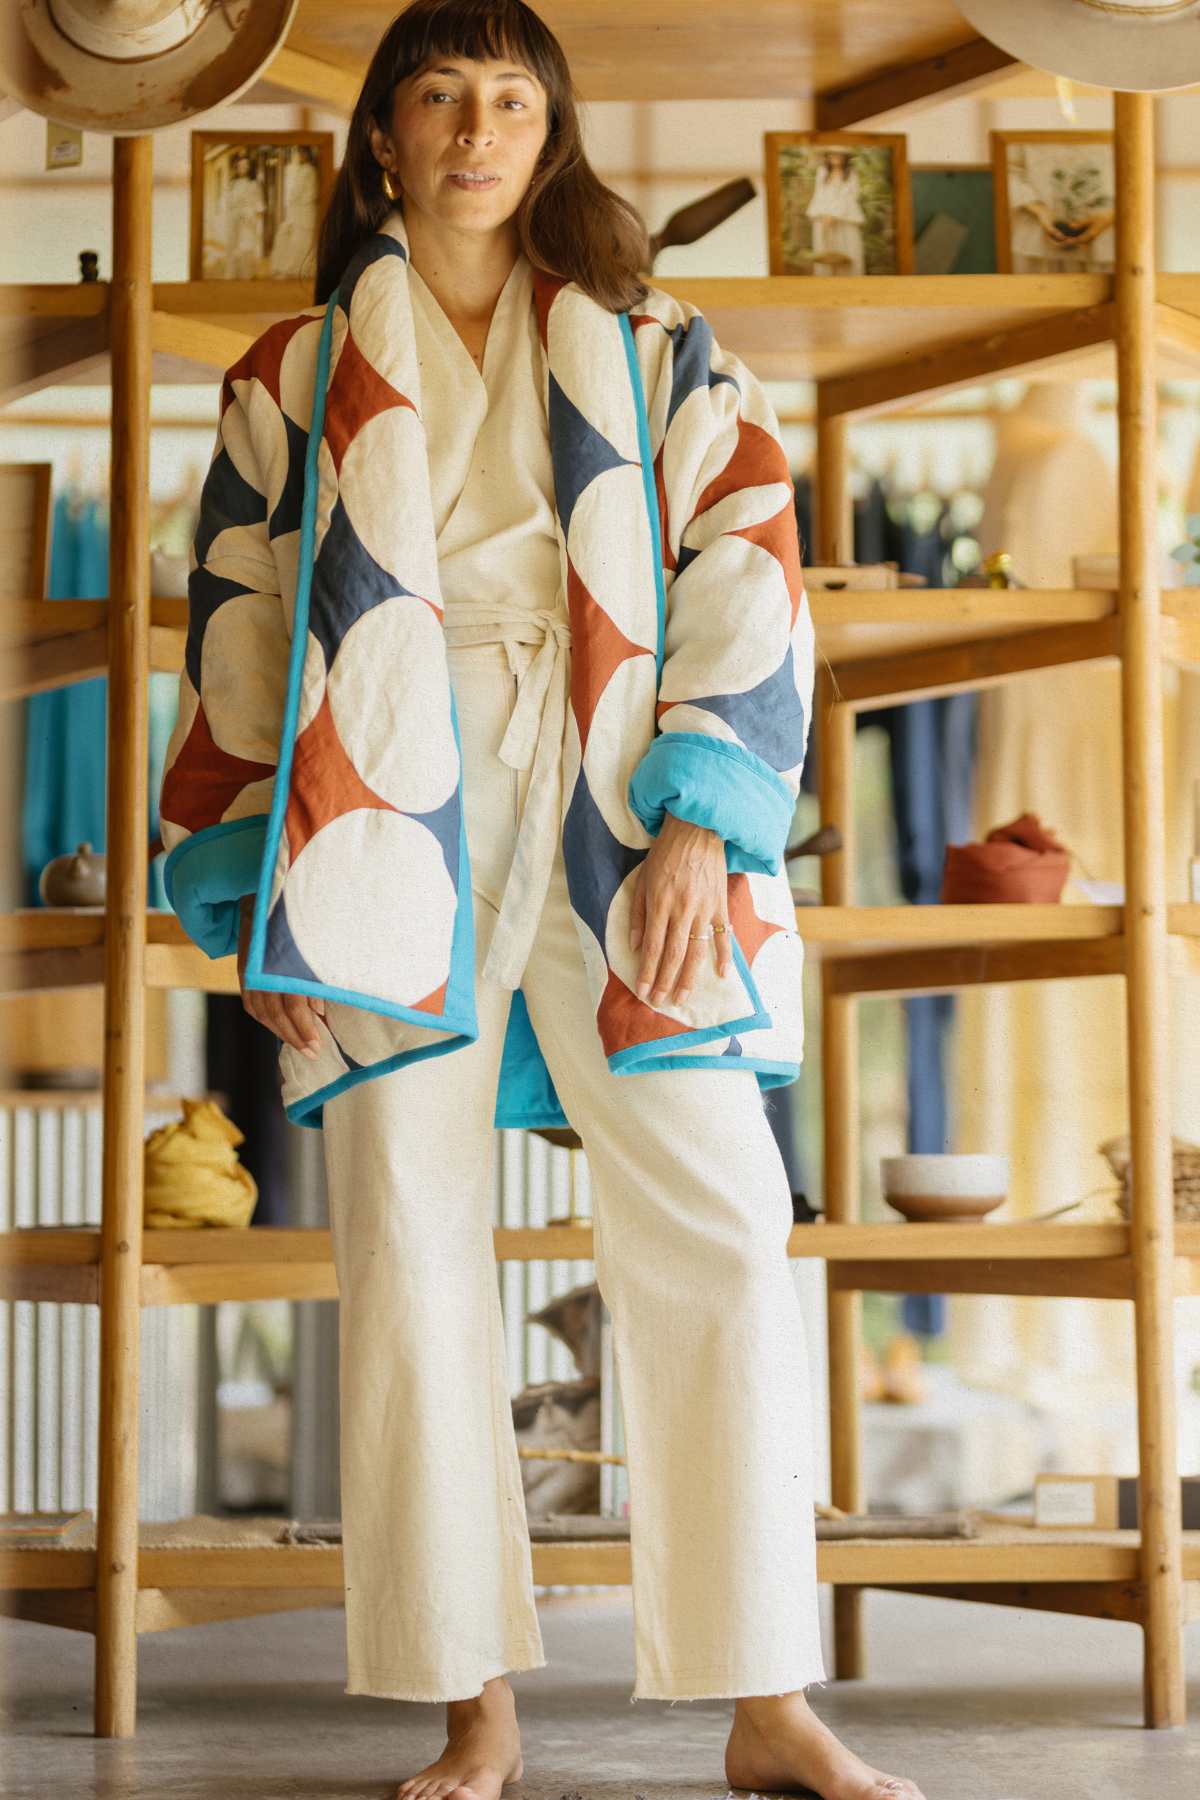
{"points": [[293, 252], [242, 214], [837, 217], [838, 203], [257, 202]]}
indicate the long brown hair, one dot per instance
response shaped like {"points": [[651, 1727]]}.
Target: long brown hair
{"points": [[569, 223]]}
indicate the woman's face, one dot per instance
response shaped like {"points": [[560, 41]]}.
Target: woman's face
{"points": [[457, 115]]}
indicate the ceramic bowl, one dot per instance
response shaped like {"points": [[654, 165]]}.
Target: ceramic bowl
{"points": [[944, 1187]]}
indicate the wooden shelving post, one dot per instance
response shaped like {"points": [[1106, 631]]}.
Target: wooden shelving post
{"points": [[1143, 791], [835, 729], [127, 858]]}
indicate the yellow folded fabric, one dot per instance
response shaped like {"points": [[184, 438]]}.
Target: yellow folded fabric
{"points": [[192, 1174]]}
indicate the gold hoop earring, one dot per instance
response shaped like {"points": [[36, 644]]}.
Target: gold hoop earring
{"points": [[387, 186]]}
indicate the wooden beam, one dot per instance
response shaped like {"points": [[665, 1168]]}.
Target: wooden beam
{"points": [[947, 76], [54, 662], [127, 837], [168, 1609], [313, 78], [201, 341], [968, 360], [834, 727], [1092, 1599], [1148, 1045], [1100, 1279], [835, 524], [72, 1608], [1179, 329], [962, 667], [943, 968], [37, 359]]}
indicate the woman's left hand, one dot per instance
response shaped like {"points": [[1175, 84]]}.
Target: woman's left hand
{"points": [[681, 887]]}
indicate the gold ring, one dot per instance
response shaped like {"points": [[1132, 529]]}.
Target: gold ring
{"points": [[720, 928]]}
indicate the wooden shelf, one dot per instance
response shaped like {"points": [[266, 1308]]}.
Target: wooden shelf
{"points": [[872, 340], [1002, 1554], [58, 333], [887, 646], [286, 1263], [924, 949], [899, 644], [876, 949], [864, 928]]}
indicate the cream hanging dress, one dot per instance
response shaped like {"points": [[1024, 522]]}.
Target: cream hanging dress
{"points": [[499, 559]]}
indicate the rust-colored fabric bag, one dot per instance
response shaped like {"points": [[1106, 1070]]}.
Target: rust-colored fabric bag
{"points": [[1018, 861]]}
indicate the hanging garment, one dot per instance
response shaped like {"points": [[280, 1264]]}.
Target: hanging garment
{"points": [[63, 799], [316, 760]]}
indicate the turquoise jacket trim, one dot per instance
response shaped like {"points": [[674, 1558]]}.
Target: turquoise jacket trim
{"points": [[648, 487], [710, 781], [206, 875]]}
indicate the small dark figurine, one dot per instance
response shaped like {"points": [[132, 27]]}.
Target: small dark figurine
{"points": [[89, 265], [803, 1211]]}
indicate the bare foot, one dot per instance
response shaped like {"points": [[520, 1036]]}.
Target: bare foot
{"points": [[778, 1744], [483, 1749]]}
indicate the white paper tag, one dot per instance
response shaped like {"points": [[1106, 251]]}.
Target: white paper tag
{"points": [[64, 145], [1065, 1503]]}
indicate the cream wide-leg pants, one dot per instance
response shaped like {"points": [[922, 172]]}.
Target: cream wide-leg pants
{"points": [[692, 1214]]}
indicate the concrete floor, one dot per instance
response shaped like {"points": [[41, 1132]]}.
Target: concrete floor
{"points": [[974, 1702]]}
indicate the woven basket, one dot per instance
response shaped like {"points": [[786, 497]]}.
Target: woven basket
{"points": [[1185, 1164]]}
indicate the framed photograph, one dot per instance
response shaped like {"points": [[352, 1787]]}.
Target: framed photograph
{"points": [[1055, 201], [838, 203], [257, 204], [954, 225]]}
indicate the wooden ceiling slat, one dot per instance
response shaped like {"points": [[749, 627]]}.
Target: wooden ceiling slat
{"points": [[676, 49]]}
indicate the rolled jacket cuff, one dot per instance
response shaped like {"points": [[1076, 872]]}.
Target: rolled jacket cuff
{"points": [[206, 875], [712, 782]]}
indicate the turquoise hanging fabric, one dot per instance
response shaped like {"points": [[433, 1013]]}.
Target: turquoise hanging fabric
{"points": [[63, 803]]}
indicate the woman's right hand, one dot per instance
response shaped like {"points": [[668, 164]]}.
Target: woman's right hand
{"points": [[291, 1017]]}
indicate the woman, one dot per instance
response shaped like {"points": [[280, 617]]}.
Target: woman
{"points": [[292, 249], [244, 211], [500, 784], [835, 210]]}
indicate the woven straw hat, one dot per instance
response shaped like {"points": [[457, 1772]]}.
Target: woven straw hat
{"points": [[135, 65], [1137, 46]]}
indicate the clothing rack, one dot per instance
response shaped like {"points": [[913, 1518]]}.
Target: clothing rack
{"points": [[872, 343]]}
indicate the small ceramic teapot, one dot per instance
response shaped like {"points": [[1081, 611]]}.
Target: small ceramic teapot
{"points": [[74, 880]]}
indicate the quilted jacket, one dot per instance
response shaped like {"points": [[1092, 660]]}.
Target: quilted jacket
{"points": [[315, 761]]}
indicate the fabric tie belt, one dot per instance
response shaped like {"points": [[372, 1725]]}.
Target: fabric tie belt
{"points": [[535, 734]]}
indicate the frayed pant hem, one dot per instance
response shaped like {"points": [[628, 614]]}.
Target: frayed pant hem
{"points": [[399, 1687], [706, 1685]]}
